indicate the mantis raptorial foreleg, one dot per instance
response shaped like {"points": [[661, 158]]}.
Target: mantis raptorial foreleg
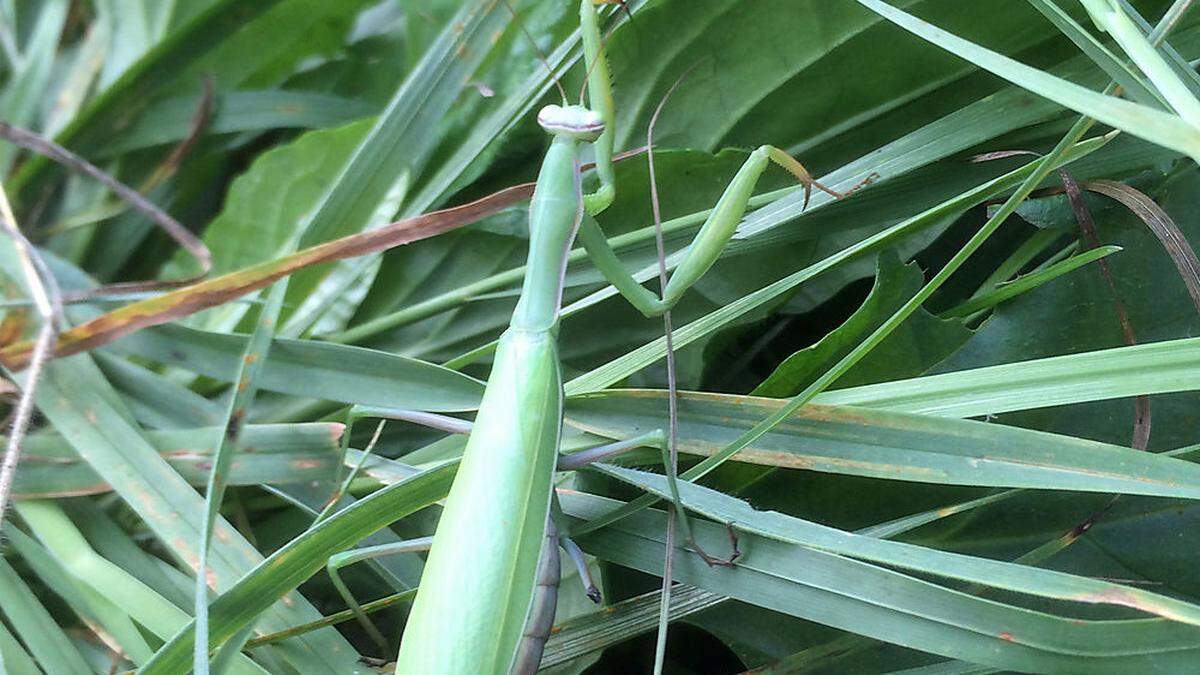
{"points": [[709, 242]]}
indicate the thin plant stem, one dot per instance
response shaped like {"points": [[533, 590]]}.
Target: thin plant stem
{"points": [[47, 301]]}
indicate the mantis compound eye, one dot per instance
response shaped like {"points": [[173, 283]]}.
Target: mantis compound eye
{"points": [[575, 121]]}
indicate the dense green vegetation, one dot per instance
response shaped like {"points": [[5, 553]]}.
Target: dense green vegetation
{"points": [[936, 386]]}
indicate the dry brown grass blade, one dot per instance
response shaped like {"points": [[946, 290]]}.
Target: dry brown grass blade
{"points": [[219, 290], [1091, 239], [1163, 227]]}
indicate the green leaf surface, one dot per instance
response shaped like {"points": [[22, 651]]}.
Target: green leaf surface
{"points": [[921, 341], [1138, 120], [76, 400], [46, 640]]}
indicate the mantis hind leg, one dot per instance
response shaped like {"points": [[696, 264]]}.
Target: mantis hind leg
{"points": [[654, 439], [338, 561]]}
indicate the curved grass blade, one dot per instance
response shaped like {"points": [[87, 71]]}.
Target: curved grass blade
{"points": [[992, 573], [888, 605], [1128, 78]]}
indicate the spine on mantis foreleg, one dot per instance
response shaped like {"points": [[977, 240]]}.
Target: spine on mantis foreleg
{"points": [[600, 100]]}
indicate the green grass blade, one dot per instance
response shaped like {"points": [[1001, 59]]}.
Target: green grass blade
{"points": [[639, 358], [237, 111], [1028, 282], [313, 369], [1138, 120], [77, 401], [373, 184], [996, 574], [887, 605], [906, 447], [13, 658], [1112, 19], [1129, 79], [152, 73], [162, 618], [37, 628], [97, 612], [245, 386], [1155, 368], [278, 454]]}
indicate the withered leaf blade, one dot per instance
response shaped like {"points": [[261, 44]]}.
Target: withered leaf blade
{"points": [[219, 290]]}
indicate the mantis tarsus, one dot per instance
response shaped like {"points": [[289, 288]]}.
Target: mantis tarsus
{"points": [[481, 579]]}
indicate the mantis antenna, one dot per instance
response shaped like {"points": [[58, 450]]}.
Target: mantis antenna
{"points": [[541, 56], [672, 405]]}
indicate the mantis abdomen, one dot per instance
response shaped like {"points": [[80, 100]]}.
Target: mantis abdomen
{"points": [[478, 586]]}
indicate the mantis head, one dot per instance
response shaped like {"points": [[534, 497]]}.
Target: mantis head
{"points": [[574, 121]]}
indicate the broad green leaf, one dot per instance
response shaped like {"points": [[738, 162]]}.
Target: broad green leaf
{"points": [[921, 341], [637, 359], [267, 206]]}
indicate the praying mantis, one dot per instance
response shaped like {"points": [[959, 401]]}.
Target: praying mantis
{"points": [[493, 567]]}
